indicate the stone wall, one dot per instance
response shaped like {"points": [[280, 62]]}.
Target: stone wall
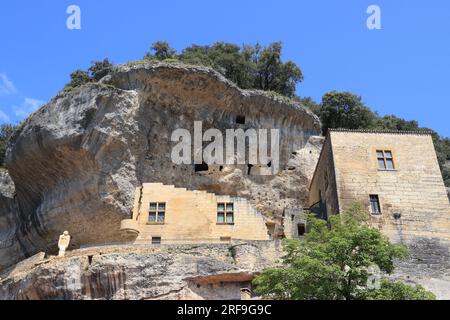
{"points": [[323, 198], [191, 217], [414, 191], [427, 265]]}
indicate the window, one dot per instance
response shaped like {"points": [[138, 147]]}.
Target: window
{"points": [[301, 229], [240, 119], [375, 204], [201, 167], [225, 213], [157, 214], [156, 241], [385, 160]]}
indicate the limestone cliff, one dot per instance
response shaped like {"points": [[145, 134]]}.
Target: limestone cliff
{"points": [[10, 249], [136, 273], [76, 162]]}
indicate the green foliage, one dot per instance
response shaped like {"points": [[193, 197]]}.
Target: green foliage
{"points": [[390, 290], [250, 67], [391, 122], [98, 70], [6, 131], [333, 262], [161, 51], [308, 103], [344, 110], [77, 79]]}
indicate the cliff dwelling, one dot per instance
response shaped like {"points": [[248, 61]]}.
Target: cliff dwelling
{"points": [[164, 214]]}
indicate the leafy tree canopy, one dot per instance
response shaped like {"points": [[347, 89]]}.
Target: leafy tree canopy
{"points": [[390, 290], [345, 110], [333, 262], [98, 70], [249, 66]]}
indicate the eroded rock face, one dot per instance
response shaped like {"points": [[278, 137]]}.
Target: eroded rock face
{"points": [[428, 265], [131, 273], [76, 162], [10, 250]]}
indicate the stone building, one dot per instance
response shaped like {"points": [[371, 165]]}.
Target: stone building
{"points": [[163, 214], [394, 175]]}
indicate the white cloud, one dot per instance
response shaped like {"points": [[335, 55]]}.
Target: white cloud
{"points": [[29, 106], [4, 117], [6, 85]]}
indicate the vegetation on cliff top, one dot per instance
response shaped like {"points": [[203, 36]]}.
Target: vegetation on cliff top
{"points": [[336, 261]]}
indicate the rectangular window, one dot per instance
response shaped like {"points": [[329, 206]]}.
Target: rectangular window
{"points": [[385, 160], [301, 229], [375, 204], [156, 241], [157, 213], [225, 213]]}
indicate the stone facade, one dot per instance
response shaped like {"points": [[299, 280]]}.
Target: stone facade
{"points": [[191, 217], [412, 195]]}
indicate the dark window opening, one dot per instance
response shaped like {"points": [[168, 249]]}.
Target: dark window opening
{"points": [[240, 119], [90, 259], [250, 167], [201, 167], [269, 164], [156, 241], [301, 229], [375, 204], [221, 168]]}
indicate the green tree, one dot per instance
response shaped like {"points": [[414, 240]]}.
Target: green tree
{"points": [[390, 290], [78, 78], [249, 66], [161, 51], [345, 110], [6, 131], [392, 122], [99, 69], [332, 262]]}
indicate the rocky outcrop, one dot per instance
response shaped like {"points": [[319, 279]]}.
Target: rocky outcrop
{"points": [[427, 265], [10, 249], [76, 162], [133, 273]]}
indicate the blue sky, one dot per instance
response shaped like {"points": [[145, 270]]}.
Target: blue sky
{"points": [[402, 69]]}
